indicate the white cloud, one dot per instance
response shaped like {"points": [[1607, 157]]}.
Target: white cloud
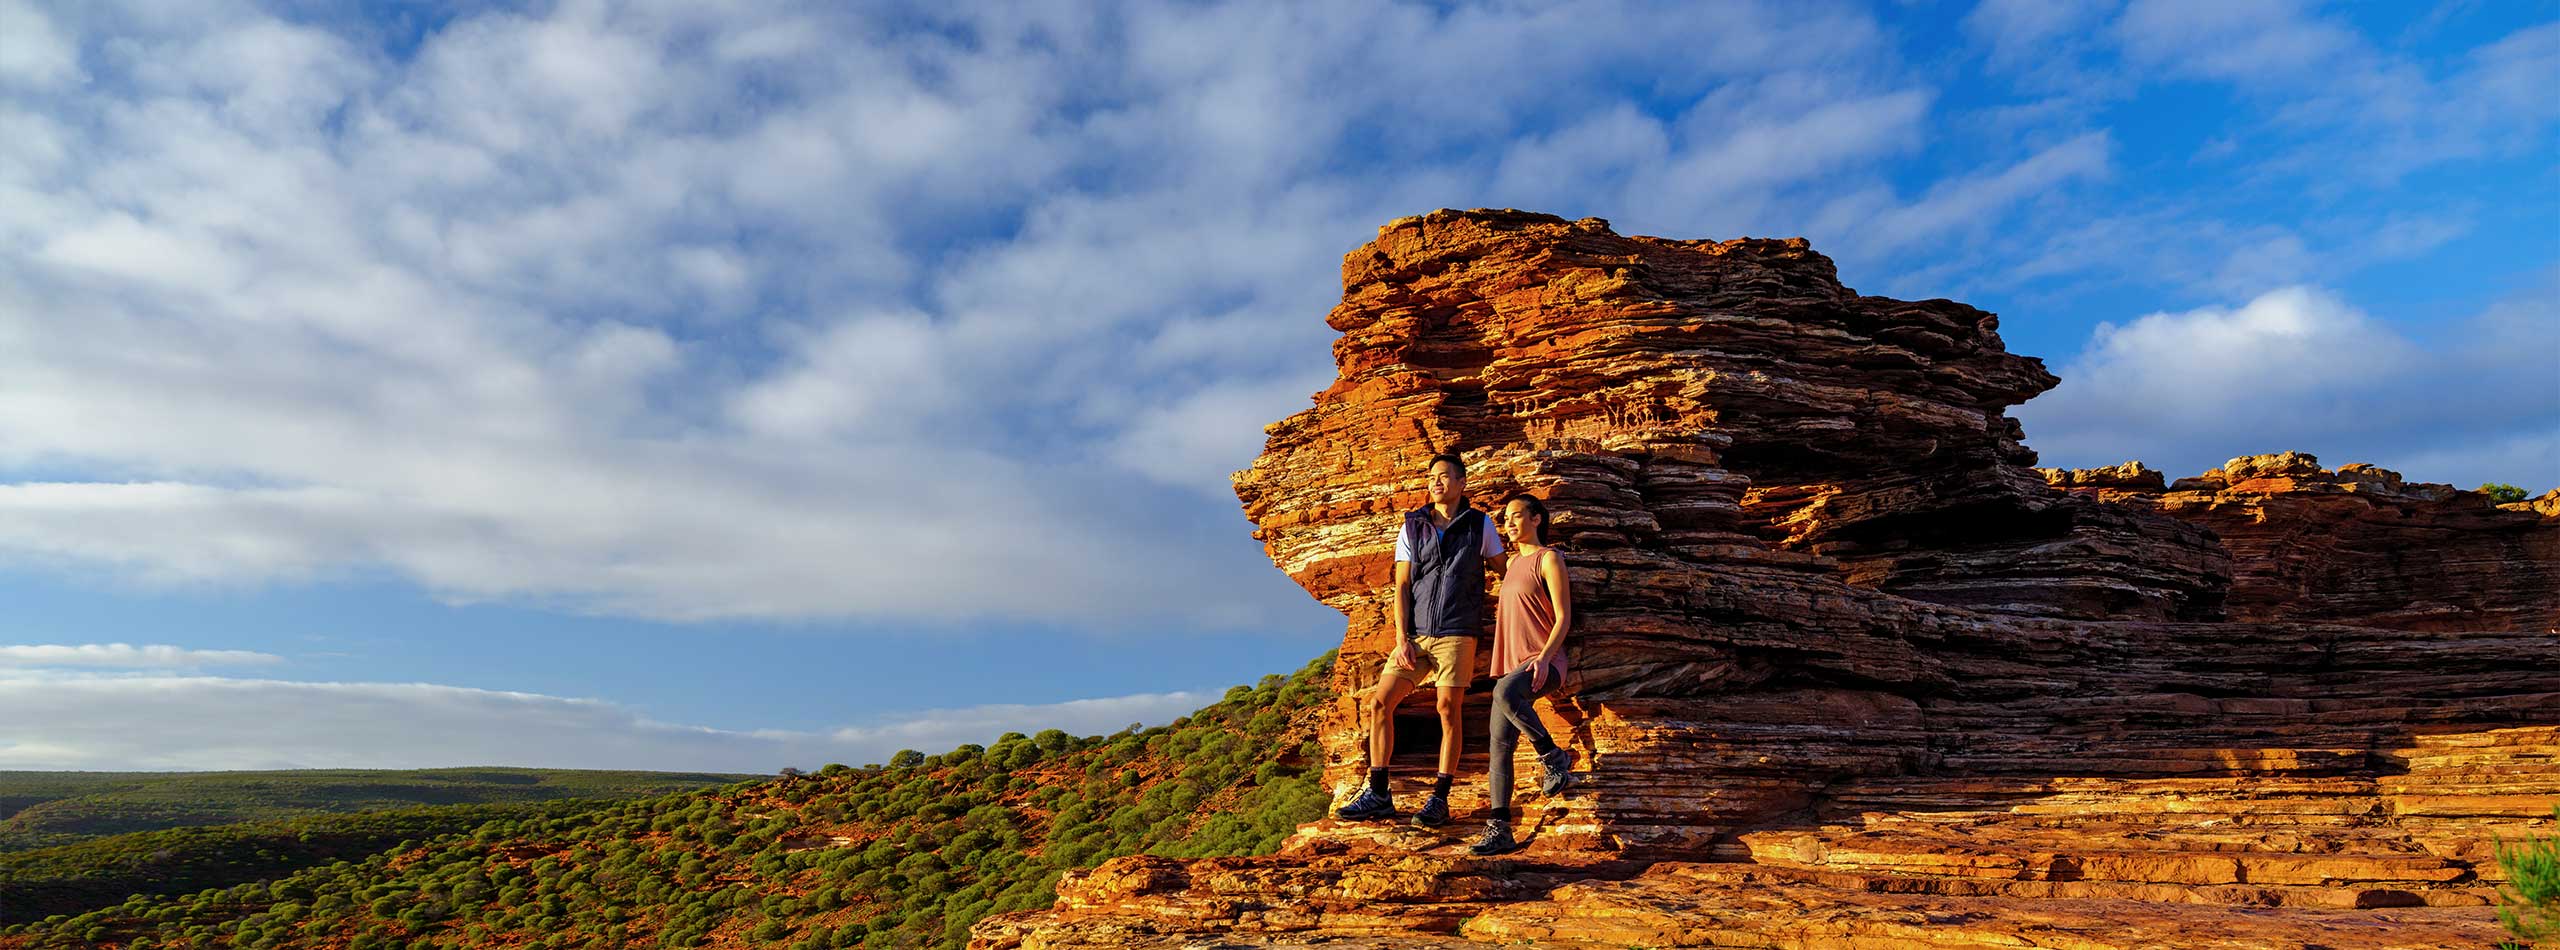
{"points": [[1599, 153], [2022, 31], [2321, 120], [2056, 254], [69, 720], [2298, 368], [690, 312], [1872, 223], [155, 656], [2234, 39], [33, 51], [657, 310], [2191, 366], [2270, 258], [1771, 143], [1197, 441], [870, 374], [2337, 107], [2056, 50]]}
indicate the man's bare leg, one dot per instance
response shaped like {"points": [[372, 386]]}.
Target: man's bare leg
{"points": [[1382, 718], [1374, 801], [1451, 702], [1453, 731]]}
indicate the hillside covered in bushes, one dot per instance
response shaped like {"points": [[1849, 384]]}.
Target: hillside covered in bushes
{"points": [[77, 878], [903, 855], [50, 809]]}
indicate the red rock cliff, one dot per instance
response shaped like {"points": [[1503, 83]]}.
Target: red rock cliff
{"points": [[1849, 672], [2358, 545]]}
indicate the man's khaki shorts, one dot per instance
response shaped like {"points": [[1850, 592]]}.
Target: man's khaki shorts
{"points": [[1442, 661]]}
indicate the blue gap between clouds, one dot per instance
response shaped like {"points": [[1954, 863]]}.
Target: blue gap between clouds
{"points": [[728, 675]]}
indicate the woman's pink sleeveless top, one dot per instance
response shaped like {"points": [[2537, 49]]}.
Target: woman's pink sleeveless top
{"points": [[1522, 619]]}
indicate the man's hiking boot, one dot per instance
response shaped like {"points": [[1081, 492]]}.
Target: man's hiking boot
{"points": [[1434, 813], [1557, 768], [1370, 805], [1496, 840]]}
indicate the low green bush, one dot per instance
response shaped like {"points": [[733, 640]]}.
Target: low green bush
{"points": [[2529, 903]]}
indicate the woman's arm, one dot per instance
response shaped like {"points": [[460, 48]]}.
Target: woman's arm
{"points": [[1559, 593]]}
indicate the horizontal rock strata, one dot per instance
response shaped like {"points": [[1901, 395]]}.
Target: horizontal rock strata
{"points": [[1849, 672], [1413, 902], [2357, 545]]}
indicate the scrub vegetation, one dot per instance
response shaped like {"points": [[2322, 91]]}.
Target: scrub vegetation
{"points": [[50, 809], [908, 854], [2502, 493], [2529, 903]]}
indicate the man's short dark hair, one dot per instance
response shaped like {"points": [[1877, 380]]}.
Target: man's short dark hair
{"points": [[1449, 457]]}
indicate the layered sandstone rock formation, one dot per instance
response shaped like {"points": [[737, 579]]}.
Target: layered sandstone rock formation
{"points": [[1850, 673], [2358, 545]]}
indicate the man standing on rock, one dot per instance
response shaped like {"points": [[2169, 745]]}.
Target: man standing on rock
{"points": [[1441, 556]]}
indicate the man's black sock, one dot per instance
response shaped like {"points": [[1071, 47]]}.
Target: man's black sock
{"points": [[1543, 744], [1440, 785], [1502, 814], [1378, 781]]}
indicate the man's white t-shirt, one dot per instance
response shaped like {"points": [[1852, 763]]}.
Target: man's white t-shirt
{"points": [[1492, 546]]}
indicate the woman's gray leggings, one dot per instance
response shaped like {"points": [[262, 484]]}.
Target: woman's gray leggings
{"points": [[1515, 715]]}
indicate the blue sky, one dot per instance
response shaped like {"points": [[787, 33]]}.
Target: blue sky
{"points": [[710, 385]]}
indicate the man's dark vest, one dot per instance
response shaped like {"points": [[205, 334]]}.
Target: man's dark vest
{"points": [[1448, 573]]}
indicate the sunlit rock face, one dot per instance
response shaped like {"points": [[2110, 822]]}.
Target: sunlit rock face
{"points": [[1711, 402], [1849, 671], [1769, 485], [2358, 545]]}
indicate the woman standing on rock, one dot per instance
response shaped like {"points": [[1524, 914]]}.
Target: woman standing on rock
{"points": [[1535, 610]]}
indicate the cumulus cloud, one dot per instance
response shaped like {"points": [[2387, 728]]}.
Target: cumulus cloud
{"points": [[890, 312], [654, 309], [32, 51], [1216, 431], [2284, 344], [160, 721], [2300, 368], [155, 656]]}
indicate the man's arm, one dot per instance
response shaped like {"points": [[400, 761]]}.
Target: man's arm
{"points": [[1403, 655]]}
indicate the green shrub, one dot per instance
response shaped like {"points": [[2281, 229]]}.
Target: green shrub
{"points": [[2503, 493], [2529, 904]]}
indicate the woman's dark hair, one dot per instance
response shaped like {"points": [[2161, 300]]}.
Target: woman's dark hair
{"points": [[1449, 457], [1536, 507]]}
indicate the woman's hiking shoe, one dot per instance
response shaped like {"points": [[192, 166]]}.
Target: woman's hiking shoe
{"points": [[1496, 840], [1434, 813], [1557, 767], [1370, 805]]}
